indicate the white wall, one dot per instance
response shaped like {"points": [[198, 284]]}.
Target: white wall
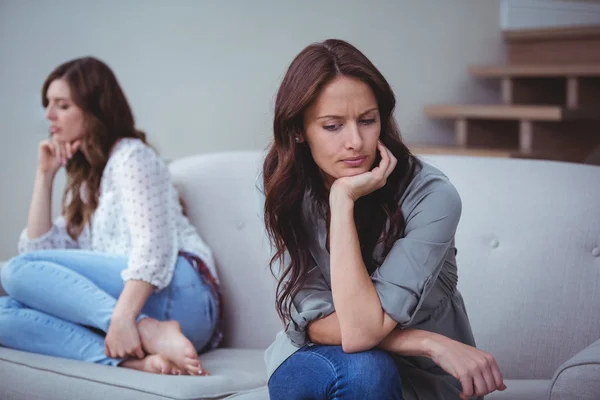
{"points": [[539, 14], [201, 75]]}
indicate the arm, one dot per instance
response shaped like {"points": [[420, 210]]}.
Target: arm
{"points": [[369, 307], [132, 299], [40, 232], [404, 342], [143, 185], [144, 188], [39, 221], [362, 321], [122, 338]]}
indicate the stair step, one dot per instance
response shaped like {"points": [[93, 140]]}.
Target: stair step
{"points": [[462, 151], [509, 112], [571, 45], [424, 150], [547, 34], [535, 71]]}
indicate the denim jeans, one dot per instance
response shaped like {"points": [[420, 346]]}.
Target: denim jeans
{"points": [[60, 303], [327, 373]]}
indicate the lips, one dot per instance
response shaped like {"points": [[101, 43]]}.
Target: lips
{"points": [[354, 161], [54, 129]]}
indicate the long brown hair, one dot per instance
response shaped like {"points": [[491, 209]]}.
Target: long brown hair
{"points": [[107, 118], [290, 175]]}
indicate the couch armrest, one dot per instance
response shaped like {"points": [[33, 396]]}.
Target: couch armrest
{"points": [[2, 292], [579, 377]]}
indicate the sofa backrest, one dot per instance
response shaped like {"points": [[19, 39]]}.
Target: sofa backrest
{"points": [[528, 258], [219, 197], [528, 252]]}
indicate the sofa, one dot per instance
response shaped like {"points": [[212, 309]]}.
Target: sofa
{"points": [[529, 270]]}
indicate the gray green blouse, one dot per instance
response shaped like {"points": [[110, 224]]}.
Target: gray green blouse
{"points": [[416, 283]]}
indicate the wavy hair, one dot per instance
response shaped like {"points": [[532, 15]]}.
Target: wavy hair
{"points": [[107, 118], [290, 175]]}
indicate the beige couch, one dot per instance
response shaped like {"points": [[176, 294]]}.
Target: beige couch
{"points": [[529, 264]]}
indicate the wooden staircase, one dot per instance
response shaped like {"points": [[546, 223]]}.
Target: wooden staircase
{"points": [[550, 100]]}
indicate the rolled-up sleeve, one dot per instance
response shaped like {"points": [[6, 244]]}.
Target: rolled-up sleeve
{"points": [[143, 186], [411, 267], [56, 238], [313, 301]]}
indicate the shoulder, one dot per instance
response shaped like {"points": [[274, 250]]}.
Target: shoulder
{"points": [[128, 148], [430, 190], [130, 153]]}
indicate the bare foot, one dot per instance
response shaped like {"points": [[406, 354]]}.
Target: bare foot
{"points": [[165, 338], [155, 364]]}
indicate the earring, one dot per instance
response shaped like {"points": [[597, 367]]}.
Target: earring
{"points": [[297, 139]]}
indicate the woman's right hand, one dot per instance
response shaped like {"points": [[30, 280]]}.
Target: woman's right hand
{"points": [[53, 154], [476, 370]]}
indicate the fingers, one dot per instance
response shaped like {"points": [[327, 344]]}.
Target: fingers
{"points": [[140, 353], [107, 351], [388, 161], [393, 163], [487, 373], [75, 146], [48, 145], [384, 163], [481, 388], [134, 351], [57, 151], [68, 151], [60, 152], [497, 376], [467, 387]]}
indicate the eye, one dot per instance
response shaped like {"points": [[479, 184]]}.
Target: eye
{"points": [[367, 121], [332, 127]]}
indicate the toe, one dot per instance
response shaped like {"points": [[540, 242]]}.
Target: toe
{"points": [[191, 353], [192, 361]]}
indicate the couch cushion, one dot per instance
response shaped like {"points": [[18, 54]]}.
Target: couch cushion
{"points": [[522, 389], [528, 258], [579, 377], [35, 376], [256, 394], [2, 292], [517, 390]]}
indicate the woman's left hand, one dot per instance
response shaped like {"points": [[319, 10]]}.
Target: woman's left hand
{"points": [[123, 339], [361, 185]]}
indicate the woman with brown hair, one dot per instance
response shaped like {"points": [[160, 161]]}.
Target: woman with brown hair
{"points": [[121, 277], [364, 234]]}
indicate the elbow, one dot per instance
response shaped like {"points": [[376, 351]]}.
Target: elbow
{"points": [[358, 343]]}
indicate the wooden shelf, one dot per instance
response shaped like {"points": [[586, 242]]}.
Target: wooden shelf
{"points": [[481, 152], [508, 112], [462, 151], [535, 71], [569, 33]]}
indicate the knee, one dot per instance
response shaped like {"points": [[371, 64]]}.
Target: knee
{"points": [[11, 275], [8, 304], [373, 369]]}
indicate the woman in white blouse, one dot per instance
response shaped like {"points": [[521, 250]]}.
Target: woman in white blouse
{"points": [[121, 277]]}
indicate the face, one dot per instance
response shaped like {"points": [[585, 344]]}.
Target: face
{"points": [[66, 118], [342, 127]]}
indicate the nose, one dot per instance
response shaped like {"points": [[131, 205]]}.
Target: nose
{"points": [[50, 114], [354, 139]]}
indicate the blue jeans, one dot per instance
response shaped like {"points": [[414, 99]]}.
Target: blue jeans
{"points": [[327, 373], [61, 302]]}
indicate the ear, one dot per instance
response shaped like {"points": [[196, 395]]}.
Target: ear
{"points": [[299, 139]]}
